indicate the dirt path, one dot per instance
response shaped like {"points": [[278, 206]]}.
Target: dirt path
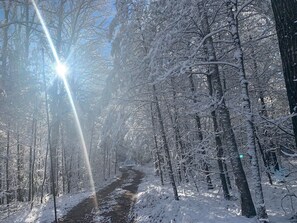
{"points": [[114, 202]]}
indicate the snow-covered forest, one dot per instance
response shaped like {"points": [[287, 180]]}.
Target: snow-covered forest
{"points": [[171, 110]]}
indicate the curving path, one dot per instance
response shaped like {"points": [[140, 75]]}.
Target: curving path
{"points": [[114, 202]]}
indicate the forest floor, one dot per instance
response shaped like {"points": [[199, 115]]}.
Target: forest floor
{"points": [[137, 196], [114, 202], [115, 198], [155, 203]]}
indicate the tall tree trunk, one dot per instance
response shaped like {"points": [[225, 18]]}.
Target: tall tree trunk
{"points": [[63, 160], [34, 158], [32, 154], [8, 195], [251, 143], [109, 162], [263, 112], [165, 145], [115, 161], [1, 179], [49, 141], [19, 170], [177, 131], [56, 103], [69, 174], [104, 161], [157, 152], [219, 147], [28, 30], [4, 53], [205, 165], [285, 18], [91, 142], [178, 157], [247, 206], [78, 172]]}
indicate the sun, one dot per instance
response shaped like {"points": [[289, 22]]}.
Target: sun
{"points": [[62, 70]]}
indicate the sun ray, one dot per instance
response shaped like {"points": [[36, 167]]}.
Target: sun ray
{"points": [[68, 90]]}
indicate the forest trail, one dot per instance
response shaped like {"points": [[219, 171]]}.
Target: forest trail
{"points": [[114, 202]]}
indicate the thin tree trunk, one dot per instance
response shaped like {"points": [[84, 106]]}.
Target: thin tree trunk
{"points": [[109, 163], [1, 183], [56, 103], [263, 112], [219, 147], [115, 161], [104, 161], [63, 160], [264, 160], [78, 172], [227, 175], [159, 164], [166, 147], [178, 137], [44, 173], [19, 170], [28, 29], [69, 176], [176, 143], [91, 143], [30, 174], [49, 146], [32, 155], [4, 55], [205, 165], [8, 195], [33, 159]]}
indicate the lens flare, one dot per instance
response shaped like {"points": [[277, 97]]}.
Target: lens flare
{"points": [[62, 70]]}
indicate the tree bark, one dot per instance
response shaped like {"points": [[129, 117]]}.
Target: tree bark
{"points": [[205, 165], [8, 195], [4, 55], [177, 131], [219, 147], [247, 206], [263, 112], [19, 170], [249, 117], [286, 26], [165, 146], [157, 152]]}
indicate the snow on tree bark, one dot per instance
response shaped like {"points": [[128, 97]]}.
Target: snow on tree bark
{"points": [[205, 165], [247, 206], [165, 146], [246, 104]]}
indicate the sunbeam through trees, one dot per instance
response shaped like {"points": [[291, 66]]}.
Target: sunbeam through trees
{"points": [[148, 111]]}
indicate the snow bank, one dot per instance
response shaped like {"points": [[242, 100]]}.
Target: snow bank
{"points": [[156, 204], [44, 213]]}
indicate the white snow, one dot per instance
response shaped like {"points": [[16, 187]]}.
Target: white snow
{"points": [[44, 213], [156, 204]]}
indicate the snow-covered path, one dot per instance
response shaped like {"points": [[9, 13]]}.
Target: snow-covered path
{"points": [[114, 202]]}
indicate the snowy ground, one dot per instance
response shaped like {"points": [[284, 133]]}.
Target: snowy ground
{"points": [[156, 204], [43, 213]]}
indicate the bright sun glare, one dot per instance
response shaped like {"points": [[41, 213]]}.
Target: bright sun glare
{"points": [[61, 69]]}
